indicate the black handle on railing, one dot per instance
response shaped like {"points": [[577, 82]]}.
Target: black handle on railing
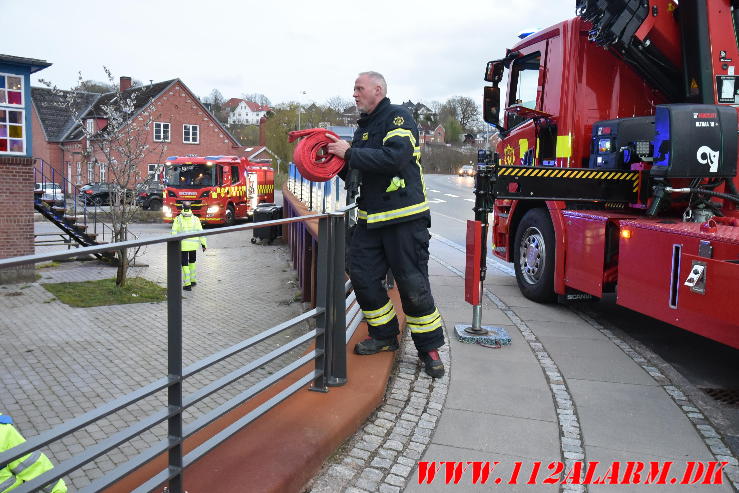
{"points": [[337, 361], [330, 296]]}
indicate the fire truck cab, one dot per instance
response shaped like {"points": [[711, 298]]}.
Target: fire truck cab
{"points": [[616, 167], [220, 188]]}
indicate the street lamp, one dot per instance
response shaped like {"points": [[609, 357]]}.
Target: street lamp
{"points": [[300, 107]]}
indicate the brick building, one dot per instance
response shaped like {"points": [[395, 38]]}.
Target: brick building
{"points": [[180, 125], [16, 163]]}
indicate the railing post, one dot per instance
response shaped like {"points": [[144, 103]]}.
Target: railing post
{"points": [[337, 364], [323, 300], [174, 364]]}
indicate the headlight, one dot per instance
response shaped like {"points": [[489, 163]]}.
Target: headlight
{"points": [[213, 209], [167, 211]]}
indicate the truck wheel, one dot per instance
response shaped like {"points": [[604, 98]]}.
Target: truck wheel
{"points": [[533, 256], [155, 205], [229, 219]]}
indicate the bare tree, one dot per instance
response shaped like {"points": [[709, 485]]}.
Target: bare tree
{"points": [[257, 98], [117, 139], [338, 104], [464, 109]]}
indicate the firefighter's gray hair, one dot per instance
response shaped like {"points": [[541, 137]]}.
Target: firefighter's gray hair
{"points": [[378, 78]]}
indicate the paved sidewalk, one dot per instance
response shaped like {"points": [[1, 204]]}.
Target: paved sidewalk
{"points": [[57, 362], [566, 390]]}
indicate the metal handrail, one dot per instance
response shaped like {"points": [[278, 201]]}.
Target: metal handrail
{"points": [[64, 183], [329, 357]]}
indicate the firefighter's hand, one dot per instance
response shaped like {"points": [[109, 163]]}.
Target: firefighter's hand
{"points": [[338, 146], [203, 247]]}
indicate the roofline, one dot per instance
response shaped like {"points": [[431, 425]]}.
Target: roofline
{"points": [[34, 63], [211, 115], [264, 148], [82, 113]]}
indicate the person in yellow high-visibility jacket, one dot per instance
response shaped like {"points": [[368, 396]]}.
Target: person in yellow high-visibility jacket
{"points": [[24, 468], [187, 222]]}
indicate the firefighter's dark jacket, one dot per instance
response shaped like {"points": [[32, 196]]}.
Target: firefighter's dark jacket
{"points": [[386, 151]]}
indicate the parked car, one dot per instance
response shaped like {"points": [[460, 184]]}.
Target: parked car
{"points": [[49, 191], [149, 195], [98, 193], [467, 170]]}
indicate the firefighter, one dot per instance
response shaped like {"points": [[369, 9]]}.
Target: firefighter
{"points": [[187, 222], [392, 227], [24, 468]]}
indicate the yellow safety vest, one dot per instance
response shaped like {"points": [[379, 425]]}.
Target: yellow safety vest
{"points": [[24, 468], [188, 224]]}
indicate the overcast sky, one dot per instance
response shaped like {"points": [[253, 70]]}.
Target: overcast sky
{"points": [[426, 50]]}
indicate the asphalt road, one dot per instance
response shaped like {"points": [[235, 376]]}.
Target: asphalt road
{"points": [[702, 363]]}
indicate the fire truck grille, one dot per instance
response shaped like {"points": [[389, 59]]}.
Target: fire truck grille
{"points": [[195, 206]]}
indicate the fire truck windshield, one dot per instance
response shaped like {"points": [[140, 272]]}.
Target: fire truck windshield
{"points": [[190, 175]]}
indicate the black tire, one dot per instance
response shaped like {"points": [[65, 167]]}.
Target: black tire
{"points": [[229, 220], [155, 205], [533, 256], [97, 201], [253, 241]]}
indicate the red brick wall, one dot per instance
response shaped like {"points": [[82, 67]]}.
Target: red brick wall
{"points": [[50, 152], [177, 106], [16, 221]]}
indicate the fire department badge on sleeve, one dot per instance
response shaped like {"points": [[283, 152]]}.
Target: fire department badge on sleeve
{"points": [[398, 121]]}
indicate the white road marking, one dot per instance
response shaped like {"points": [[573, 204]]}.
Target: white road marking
{"points": [[435, 201], [435, 213], [432, 190], [452, 195], [469, 200]]}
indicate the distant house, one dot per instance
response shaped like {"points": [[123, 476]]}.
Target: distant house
{"points": [[430, 134], [245, 112], [350, 115], [182, 125], [420, 111]]}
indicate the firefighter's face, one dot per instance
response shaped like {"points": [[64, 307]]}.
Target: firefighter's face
{"points": [[367, 93]]}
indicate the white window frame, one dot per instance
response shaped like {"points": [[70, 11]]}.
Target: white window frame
{"points": [[79, 172], [90, 172], [187, 127], [103, 169], [90, 126], [23, 92], [153, 169], [16, 107], [162, 126]]}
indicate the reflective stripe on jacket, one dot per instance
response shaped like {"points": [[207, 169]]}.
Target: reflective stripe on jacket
{"points": [[188, 224], [386, 150], [24, 468]]}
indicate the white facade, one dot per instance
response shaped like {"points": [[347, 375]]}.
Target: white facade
{"points": [[244, 115]]}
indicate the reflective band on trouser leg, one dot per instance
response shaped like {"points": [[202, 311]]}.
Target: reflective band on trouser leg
{"points": [[381, 316], [8, 483], [186, 275], [427, 323], [192, 272], [27, 462]]}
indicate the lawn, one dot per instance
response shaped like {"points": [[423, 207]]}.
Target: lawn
{"points": [[104, 292]]}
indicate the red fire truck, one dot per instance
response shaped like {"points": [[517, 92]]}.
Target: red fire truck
{"points": [[616, 167], [221, 188]]}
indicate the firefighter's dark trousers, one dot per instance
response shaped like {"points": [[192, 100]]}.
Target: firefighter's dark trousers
{"points": [[404, 248]]}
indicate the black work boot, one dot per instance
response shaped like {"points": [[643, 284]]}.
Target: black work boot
{"points": [[187, 288], [432, 364], [193, 284], [373, 346]]}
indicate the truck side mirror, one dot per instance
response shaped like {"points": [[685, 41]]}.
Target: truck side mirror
{"points": [[491, 105], [494, 71]]}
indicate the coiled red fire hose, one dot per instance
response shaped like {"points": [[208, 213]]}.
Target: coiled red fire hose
{"points": [[311, 156]]}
